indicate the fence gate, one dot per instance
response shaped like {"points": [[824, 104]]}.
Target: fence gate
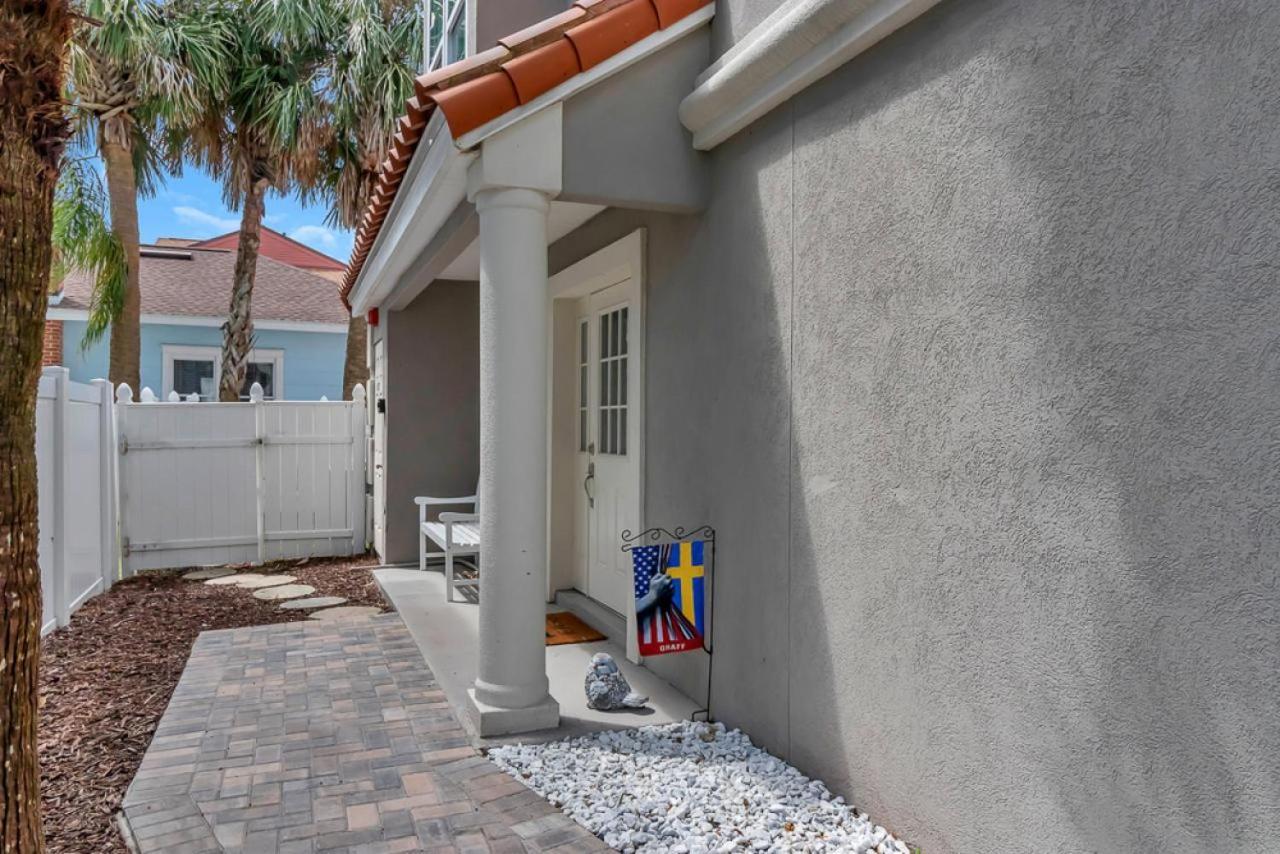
{"points": [[211, 483]]}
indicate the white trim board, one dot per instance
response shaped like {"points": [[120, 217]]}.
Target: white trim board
{"points": [[55, 313], [800, 43]]}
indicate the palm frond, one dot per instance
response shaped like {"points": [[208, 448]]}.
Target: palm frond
{"points": [[83, 240]]}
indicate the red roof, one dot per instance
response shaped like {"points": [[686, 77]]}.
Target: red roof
{"points": [[195, 282], [278, 246], [522, 66]]}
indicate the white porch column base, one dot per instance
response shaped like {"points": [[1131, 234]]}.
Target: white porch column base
{"points": [[510, 692], [490, 721]]}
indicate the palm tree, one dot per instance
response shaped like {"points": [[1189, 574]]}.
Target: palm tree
{"points": [[33, 129], [267, 128], [374, 65], [135, 66]]}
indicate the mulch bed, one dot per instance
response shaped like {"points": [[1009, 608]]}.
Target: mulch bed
{"points": [[106, 678]]}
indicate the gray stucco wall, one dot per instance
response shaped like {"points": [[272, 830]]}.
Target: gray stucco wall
{"points": [[433, 406], [972, 362]]}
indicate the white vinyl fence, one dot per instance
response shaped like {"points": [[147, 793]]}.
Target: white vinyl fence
{"points": [[211, 483], [128, 486], [75, 468]]}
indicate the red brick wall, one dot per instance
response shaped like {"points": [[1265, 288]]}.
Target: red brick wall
{"points": [[52, 342]]}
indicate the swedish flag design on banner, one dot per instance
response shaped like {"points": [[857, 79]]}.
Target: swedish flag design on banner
{"points": [[670, 595]]}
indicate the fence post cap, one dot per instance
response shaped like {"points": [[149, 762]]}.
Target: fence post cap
{"points": [[147, 396], [324, 398], [174, 397], [255, 393], [357, 393], [124, 394], [193, 398]]}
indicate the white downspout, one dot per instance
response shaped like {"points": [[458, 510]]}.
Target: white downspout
{"points": [[801, 42]]}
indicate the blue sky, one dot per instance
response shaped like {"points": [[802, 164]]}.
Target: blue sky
{"points": [[191, 206]]}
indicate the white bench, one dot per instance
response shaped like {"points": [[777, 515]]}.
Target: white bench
{"points": [[456, 534]]}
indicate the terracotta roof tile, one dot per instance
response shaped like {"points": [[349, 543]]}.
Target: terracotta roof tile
{"points": [[543, 69], [544, 32], [471, 104], [522, 66], [601, 37]]}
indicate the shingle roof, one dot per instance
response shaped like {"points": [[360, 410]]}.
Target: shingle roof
{"points": [[195, 282], [522, 66]]}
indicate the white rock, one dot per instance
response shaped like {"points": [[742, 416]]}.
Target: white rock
{"points": [[690, 788]]}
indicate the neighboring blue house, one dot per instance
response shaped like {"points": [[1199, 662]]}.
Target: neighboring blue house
{"points": [[299, 322]]}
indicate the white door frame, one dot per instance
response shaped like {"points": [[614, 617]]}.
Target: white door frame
{"points": [[617, 262], [379, 434]]}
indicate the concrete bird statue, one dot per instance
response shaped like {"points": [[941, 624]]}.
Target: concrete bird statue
{"points": [[607, 688]]}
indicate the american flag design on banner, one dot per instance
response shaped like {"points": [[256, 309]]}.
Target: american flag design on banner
{"points": [[670, 591]]}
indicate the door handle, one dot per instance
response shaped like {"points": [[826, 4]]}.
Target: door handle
{"points": [[586, 484]]}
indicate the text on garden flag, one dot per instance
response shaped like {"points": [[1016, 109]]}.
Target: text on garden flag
{"points": [[670, 591]]}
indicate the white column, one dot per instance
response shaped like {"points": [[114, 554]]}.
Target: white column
{"points": [[510, 693]]}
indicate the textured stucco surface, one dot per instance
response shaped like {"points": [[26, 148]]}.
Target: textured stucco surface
{"points": [[433, 407], [972, 362]]}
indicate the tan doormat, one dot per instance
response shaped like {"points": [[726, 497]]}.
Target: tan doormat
{"points": [[563, 627]]}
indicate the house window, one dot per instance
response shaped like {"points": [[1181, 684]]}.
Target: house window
{"points": [[613, 382], [446, 32], [189, 370]]}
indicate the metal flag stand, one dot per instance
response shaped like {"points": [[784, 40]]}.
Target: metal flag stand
{"points": [[706, 533]]}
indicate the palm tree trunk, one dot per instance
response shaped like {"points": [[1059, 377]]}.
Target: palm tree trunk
{"points": [[237, 332], [356, 368], [126, 330], [33, 39]]}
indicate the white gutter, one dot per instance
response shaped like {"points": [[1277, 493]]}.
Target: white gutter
{"points": [[434, 184], [801, 42]]}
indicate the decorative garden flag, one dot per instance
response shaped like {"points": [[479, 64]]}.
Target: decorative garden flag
{"points": [[670, 591]]}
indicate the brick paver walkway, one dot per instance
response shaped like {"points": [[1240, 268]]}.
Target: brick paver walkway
{"points": [[308, 737]]}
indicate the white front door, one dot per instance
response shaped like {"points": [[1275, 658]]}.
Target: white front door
{"points": [[379, 447], [608, 440]]}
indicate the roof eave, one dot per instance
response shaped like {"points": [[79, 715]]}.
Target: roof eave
{"points": [[432, 187]]}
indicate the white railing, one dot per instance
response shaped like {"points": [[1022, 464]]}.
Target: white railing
{"points": [[76, 471], [129, 486]]}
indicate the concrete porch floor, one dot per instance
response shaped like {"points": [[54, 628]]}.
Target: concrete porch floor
{"points": [[447, 634]]}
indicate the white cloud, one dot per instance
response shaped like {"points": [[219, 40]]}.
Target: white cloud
{"points": [[315, 236], [195, 216]]}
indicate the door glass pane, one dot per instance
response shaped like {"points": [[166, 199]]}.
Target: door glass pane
{"points": [[613, 383], [623, 348], [622, 384], [613, 322], [622, 431], [194, 375]]}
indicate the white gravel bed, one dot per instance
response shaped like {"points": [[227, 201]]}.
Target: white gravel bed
{"points": [[689, 788]]}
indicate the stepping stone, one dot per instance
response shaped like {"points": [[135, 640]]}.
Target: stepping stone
{"points": [[235, 578], [266, 581], [205, 574], [313, 602], [284, 591], [348, 612]]}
